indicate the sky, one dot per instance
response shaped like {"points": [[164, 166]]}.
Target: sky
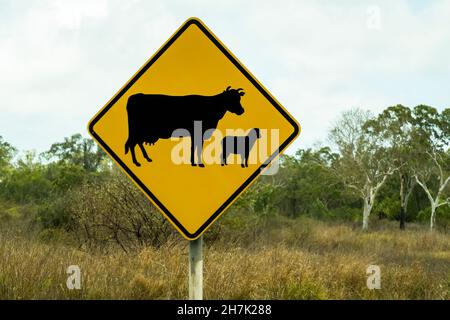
{"points": [[61, 61]]}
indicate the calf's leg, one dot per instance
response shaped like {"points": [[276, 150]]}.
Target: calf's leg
{"points": [[246, 150], [144, 152]]}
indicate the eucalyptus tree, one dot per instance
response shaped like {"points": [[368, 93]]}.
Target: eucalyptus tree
{"points": [[79, 151], [394, 127], [308, 185], [7, 152], [364, 164], [431, 165]]}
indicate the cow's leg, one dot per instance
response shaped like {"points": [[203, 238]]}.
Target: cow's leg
{"points": [[224, 152], [246, 154], [192, 152], [144, 152], [223, 156], [200, 154], [133, 155]]}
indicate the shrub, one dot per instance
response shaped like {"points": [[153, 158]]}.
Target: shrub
{"points": [[114, 211]]}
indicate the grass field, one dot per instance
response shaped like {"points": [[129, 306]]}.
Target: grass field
{"points": [[304, 259]]}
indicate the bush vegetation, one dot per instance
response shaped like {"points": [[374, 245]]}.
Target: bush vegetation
{"points": [[302, 233]]}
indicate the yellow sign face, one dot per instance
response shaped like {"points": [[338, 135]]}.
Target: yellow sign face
{"points": [[193, 128]]}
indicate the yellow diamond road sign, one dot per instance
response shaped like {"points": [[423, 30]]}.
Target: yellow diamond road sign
{"points": [[193, 128]]}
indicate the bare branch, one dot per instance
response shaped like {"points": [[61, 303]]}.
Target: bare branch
{"points": [[425, 188]]}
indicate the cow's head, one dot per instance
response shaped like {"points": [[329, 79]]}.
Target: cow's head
{"points": [[233, 100]]}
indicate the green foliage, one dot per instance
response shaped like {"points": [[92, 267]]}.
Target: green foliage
{"points": [[8, 213], [260, 198], [309, 187], [52, 213], [388, 207], [35, 182], [45, 186], [27, 182], [7, 152], [63, 187], [77, 151]]}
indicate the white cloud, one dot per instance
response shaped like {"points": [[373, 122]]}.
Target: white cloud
{"points": [[71, 13], [60, 61]]}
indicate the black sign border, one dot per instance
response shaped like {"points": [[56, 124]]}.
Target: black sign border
{"points": [[255, 174]]}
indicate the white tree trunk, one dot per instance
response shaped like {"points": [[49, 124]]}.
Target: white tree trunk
{"points": [[366, 213], [434, 202], [432, 216], [369, 198]]}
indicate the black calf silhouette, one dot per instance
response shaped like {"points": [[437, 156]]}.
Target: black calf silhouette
{"points": [[155, 116], [241, 145]]}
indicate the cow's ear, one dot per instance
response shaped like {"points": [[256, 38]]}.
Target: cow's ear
{"points": [[241, 93]]}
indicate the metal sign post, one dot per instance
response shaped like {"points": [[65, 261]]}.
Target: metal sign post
{"points": [[196, 269]]}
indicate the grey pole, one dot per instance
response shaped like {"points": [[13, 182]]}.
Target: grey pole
{"points": [[196, 269]]}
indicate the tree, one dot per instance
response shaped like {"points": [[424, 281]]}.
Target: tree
{"points": [[32, 181], [77, 150], [364, 165], [309, 185], [7, 152], [114, 210], [26, 181], [432, 162], [394, 127]]}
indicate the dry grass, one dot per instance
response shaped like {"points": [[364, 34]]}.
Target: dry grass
{"points": [[304, 260]]}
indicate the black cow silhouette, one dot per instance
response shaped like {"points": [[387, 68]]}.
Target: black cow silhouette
{"points": [[241, 145], [156, 116]]}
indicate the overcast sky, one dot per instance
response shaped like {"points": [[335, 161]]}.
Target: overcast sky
{"points": [[60, 61]]}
